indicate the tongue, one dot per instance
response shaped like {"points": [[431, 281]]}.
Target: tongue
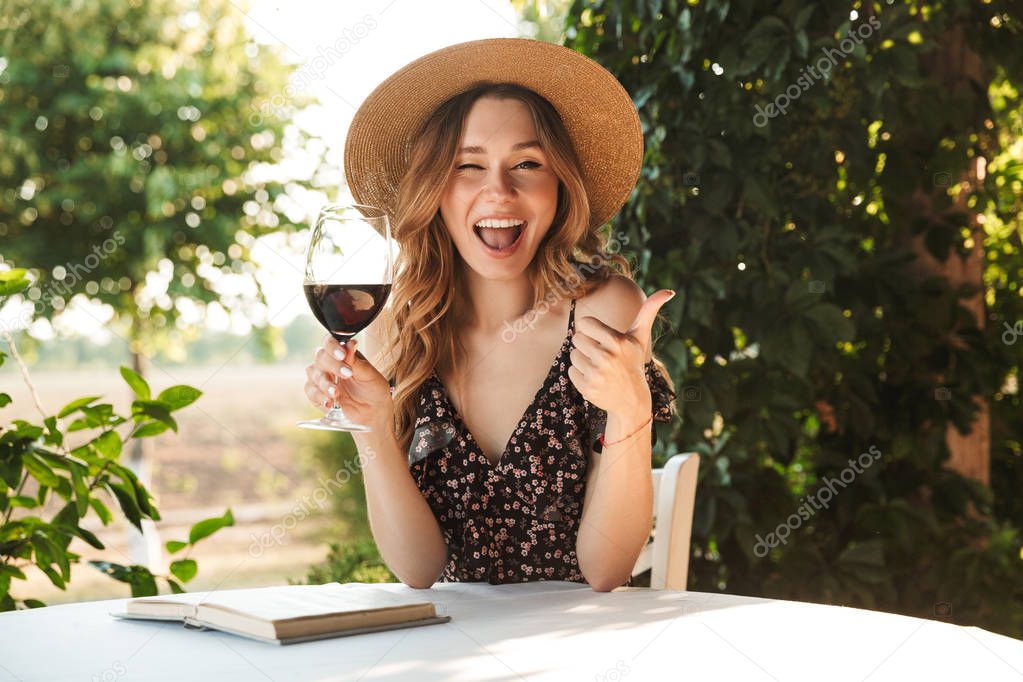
{"points": [[499, 238]]}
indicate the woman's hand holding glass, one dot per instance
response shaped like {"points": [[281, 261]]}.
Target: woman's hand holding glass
{"points": [[365, 394], [348, 277]]}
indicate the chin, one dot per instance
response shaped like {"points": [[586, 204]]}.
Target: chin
{"points": [[502, 271], [505, 270]]}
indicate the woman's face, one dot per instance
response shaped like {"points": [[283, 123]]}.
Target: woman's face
{"points": [[500, 178]]}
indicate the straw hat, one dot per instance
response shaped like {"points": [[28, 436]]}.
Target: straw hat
{"points": [[597, 111]]}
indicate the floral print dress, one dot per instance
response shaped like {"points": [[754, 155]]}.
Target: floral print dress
{"points": [[516, 520]]}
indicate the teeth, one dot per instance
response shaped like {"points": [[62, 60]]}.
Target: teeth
{"points": [[490, 222]]}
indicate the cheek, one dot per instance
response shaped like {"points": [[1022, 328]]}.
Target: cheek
{"points": [[546, 182], [545, 191], [451, 204], [458, 197]]}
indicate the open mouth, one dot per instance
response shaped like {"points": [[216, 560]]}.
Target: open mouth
{"points": [[500, 235]]}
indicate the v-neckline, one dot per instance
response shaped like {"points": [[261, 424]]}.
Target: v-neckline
{"points": [[525, 415]]}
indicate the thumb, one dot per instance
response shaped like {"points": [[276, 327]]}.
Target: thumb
{"points": [[643, 324], [362, 368], [353, 356]]}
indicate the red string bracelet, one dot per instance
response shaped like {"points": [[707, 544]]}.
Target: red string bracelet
{"points": [[604, 444]]}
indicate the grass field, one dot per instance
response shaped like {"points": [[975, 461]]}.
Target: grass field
{"points": [[237, 447]]}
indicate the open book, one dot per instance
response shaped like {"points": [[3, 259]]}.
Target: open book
{"points": [[290, 613]]}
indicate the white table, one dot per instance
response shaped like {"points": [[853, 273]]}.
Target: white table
{"points": [[532, 631]]}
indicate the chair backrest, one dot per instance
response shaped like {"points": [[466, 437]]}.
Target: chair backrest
{"points": [[667, 554]]}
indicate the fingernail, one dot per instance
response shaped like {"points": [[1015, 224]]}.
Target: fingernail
{"points": [[345, 372], [331, 391], [672, 295], [339, 354]]}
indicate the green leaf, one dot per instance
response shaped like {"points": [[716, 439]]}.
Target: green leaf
{"points": [[75, 404], [89, 537], [55, 461], [101, 510], [39, 470], [53, 434], [139, 577], [108, 444], [34, 603], [78, 425], [136, 382], [143, 584], [870, 553], [140, 494], [5, 400], [177, 397], [802, 17], [101, 416], [53, 576], [175, 546], [10, 470], [831, 322], [176, 587], [154, 410], [207, 527], [13, 281], [8, 571], [125, 495], [48, 553], [798, 295], [78, 474], [115, 571], [184, 569], [22, 429], [67, 518], [147, 429]]}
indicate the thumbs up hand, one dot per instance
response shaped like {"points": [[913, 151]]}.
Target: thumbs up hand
{"points": [[608, 365]]}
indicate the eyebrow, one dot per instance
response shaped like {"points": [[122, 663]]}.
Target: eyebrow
{"points": [[515, 148]]}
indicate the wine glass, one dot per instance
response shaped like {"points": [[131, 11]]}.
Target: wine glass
{"points": [[348, 275]]}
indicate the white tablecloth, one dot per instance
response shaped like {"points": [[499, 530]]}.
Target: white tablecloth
{"points": [[532, 631]]}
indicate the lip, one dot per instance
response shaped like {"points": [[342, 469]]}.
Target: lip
{"points": [[512, 248]]}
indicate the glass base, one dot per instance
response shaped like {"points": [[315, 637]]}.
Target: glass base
{"points": [[335, 420]]}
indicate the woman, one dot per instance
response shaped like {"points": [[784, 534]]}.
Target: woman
{"points": [[499, 160]]}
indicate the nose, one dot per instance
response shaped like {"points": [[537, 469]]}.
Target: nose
{"points": [[499, 184]]}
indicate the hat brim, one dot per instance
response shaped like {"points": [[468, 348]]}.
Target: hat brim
{"points": [[598, 113]]}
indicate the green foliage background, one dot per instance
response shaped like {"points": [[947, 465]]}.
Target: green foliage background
{"points": [[129, 136], [38, 463], [827, 306], [789, 239]]}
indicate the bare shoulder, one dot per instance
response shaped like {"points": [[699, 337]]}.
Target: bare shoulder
{"points": [[615, 302]]}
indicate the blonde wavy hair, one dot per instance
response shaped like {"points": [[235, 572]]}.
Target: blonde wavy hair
{"points": [[420, 322]]}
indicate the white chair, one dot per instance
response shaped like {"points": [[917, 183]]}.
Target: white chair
{"points": [[667, 554]]}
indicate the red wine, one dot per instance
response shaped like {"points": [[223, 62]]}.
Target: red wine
{"points": [[346, 309]]}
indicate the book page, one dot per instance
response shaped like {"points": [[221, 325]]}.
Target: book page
{"points": [[305, 601], [178, 605]]}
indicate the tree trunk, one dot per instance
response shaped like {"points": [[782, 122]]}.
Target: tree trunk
{"points": [[144, 548], [959, 69]]}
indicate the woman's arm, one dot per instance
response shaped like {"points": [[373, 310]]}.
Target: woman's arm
{"points": [[403, 525], [618, 505], [402, 522]]}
